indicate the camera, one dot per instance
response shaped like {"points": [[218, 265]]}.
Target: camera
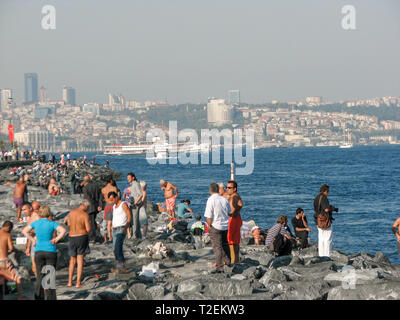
{"points": [[332, 208]]}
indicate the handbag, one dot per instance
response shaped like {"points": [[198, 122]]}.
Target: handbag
{"points": [[323, 219]]}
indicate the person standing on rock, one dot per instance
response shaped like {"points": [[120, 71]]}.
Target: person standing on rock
{"points": [[323, 208], [235, 221], [30, 247], [78, 244], [108, 209], [170, 196], [300, 226], [92, 192], [19, 193], [122, 218], [135, 196], [216, 213], [7, 269], [46, 250]]}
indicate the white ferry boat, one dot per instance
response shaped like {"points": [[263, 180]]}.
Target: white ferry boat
{"points": [[157, 147]]}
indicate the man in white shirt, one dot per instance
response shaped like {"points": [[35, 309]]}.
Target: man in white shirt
{"points": [[216, 213]]}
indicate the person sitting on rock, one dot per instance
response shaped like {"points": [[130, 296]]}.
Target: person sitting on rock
{"points": [[278, 231], [257, 235], [7, 269], [53, 188]]}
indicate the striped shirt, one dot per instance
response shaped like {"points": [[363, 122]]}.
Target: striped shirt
{"points": [[273, 232]]}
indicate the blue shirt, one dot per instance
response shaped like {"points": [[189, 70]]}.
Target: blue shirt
{"points": [[44, 230], [182, 208]]}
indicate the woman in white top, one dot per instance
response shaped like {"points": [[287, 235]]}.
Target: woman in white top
{"points": [[120, 223]]}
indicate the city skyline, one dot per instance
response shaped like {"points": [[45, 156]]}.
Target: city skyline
{"points": [[189, 51]]}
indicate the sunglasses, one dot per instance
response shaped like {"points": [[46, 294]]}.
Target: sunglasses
{"points": [[230, 187]]}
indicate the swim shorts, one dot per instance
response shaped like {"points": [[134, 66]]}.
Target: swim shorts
{"points": [[234, 225], [78, 245], [18, 202]]}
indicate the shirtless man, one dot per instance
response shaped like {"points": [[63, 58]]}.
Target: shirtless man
{"points": [[78, 244], [36, 206], [108, 209], [19, 191], [235, 221], [54, 189], [7, 269], [29, 247], [170, 197]]}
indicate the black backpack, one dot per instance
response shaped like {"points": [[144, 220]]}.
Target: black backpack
{"points": [[279, 243]]}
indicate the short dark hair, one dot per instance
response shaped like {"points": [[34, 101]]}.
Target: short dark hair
{"points": [[234, 183], [131, 174], [187, 201], [214, 188], [324, 188], [299, 210], [113, 194], [8, 223], [27, 204]]}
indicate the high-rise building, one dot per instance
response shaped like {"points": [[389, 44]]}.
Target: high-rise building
{"points": [[68, 94], [6, 99], [219, 113], [115, 99], [42, 94], [234, 97], [31, 88]]}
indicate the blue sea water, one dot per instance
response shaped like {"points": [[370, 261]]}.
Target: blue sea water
{"points": [[363, 185]]}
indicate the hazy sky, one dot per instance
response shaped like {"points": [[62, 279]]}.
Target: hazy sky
{"points": [[187, 50]]}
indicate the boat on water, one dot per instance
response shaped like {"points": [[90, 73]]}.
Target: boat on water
{"points": [[155, 148], [347, 142]]}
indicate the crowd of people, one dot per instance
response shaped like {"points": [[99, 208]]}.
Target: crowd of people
{"points": [[14, 154], [124, 215]]}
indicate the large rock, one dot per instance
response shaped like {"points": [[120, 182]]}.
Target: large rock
{"points": [[381, 291], [229, 288], [272, 275], [189, 286], [138, 292], [280, 262]]}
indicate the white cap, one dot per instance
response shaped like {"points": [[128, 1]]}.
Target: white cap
{"points": [[254, 228]]}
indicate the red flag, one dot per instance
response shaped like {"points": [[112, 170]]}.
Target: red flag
{"points": [[11, 132]]}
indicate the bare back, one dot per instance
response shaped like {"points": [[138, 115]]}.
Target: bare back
{"points": [[78, 222], [19, 190], [106, 190], [5, 244]]}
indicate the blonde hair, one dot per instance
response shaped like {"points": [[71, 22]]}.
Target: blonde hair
{"points": [[44, 212], [143, 183]]}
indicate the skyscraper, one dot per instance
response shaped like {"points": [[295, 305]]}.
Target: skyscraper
{"points": [[68, 94], [234, 97], [42, 94], [6, 99], [31, 88]]}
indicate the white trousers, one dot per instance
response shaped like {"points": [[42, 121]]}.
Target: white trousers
{"points": [[324, 242]]}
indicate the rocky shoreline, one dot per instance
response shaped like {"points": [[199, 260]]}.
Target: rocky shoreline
{"points": [[182, 270]]}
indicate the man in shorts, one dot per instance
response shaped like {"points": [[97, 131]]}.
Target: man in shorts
{"points": [[19, 193], [78, 244], [7, 269]]}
